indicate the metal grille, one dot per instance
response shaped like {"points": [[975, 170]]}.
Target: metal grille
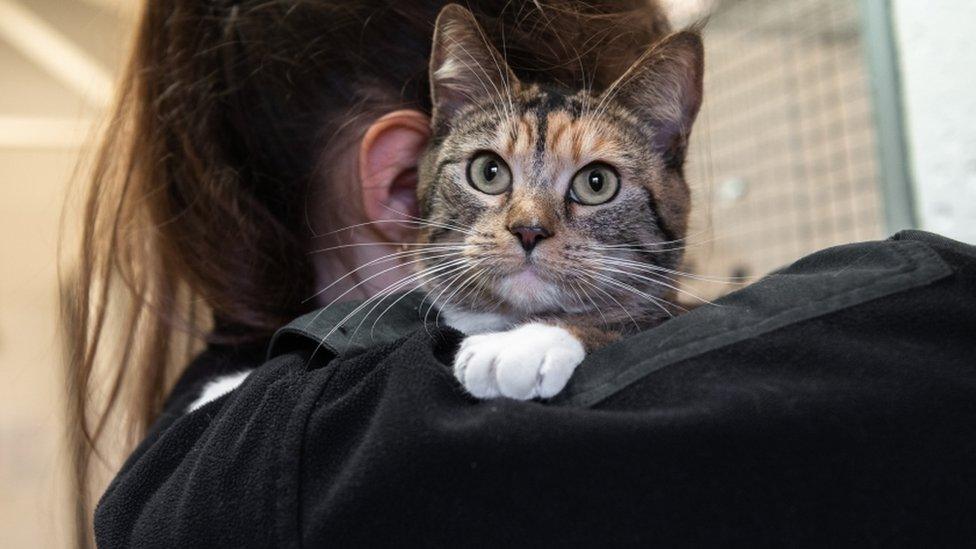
{"points": [[783, 160]]}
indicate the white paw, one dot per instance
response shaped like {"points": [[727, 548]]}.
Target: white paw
{"points": [[533, 360]]}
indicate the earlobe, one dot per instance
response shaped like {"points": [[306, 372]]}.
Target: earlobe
{"points": [[388, 156]]}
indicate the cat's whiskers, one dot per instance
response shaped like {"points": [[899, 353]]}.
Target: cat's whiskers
{"points": [[682, 244], [396, 256], [652, 267], [638, 247], [384, 271], [656, 282], [657, 301], [599, 307], [401, 245], [578, 283], [397, 287], [444, 287], [366, 280], [659, 247], [383, 294], [578, 289], [462, 268], [641, 268], [593, 270], [430, 222], [600, 255], [447, 287], [596, 287], [635, 249], [688, 241], [579, 298], [478, 283], [409, 221]]}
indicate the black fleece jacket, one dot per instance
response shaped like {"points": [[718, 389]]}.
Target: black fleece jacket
{"points": [[831, 403]]}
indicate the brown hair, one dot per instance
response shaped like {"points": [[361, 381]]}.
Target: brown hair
{"points": [[194, 225]]}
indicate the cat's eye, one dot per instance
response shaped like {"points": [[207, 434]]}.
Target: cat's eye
{"points": [[488, 173], [595, 184]]}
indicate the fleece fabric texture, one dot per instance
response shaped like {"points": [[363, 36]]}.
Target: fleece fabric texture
{"points": [[832, 403]]}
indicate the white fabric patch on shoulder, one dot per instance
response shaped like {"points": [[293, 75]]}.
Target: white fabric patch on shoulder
{"points": [[217, 388]]}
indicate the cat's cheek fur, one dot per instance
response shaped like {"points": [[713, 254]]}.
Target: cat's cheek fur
{"points": [[534, 360]]}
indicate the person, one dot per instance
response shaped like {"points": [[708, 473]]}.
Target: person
{"points": [[233, 157], [832, 402]]}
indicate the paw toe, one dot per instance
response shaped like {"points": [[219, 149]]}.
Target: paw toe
{"points": [[479, 375], [556, 370], [516, 375]]}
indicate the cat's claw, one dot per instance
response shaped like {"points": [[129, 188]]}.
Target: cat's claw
{"points": [[533, 360]]}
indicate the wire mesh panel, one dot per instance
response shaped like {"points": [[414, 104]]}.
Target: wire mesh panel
{"points": [[782, 161]]}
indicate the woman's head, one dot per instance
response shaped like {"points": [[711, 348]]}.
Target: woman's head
{"points": [[244, 129]]}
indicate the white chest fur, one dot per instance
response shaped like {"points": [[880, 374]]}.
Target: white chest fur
{"points": [[472, 323]]}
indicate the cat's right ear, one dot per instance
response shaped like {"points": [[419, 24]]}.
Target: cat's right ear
{"points": [[464, 66]]}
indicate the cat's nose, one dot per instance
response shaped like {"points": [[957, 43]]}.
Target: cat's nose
{"points": [[529, 236]]}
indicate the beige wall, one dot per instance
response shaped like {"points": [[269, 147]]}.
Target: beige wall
{"points": [[31, 468], [57, 60]]}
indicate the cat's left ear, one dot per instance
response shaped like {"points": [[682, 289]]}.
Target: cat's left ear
{"points": [[464, 66], [388, 156], [664, 86]]}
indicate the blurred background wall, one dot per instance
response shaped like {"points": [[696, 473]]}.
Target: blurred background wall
{"points": [[825, 121], [58, 61], [937, 64], [784, 156]]}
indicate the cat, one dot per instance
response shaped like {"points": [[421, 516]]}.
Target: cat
{"points": [[551, 217], [560, 212]]}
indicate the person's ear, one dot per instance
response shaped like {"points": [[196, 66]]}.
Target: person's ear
{"points": [[388, 158]]}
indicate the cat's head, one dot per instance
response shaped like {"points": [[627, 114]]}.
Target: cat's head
{"points": [[545, 200]]}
